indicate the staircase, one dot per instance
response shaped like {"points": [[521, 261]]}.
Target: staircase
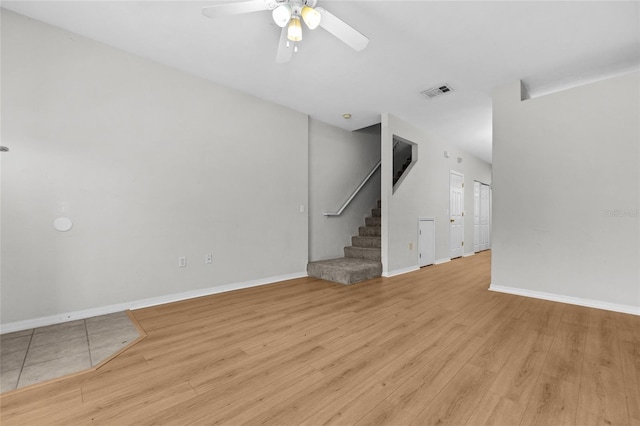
{"points": [[400, 172], [361, 260]]}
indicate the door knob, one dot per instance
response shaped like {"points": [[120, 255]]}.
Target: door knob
{"points": [[453, 220]]}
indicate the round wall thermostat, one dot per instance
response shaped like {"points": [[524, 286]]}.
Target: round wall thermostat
{"points": [[62, 224]]}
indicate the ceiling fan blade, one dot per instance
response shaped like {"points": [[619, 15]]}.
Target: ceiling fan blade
{"points": [[342, 30], [284, 53], [234, 8]]}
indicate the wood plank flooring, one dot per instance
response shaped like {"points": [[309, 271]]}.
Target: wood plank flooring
{"points": [[429, 347]]}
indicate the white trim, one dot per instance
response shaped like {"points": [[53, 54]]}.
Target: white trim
{"points": [[625, 309], [401, 271], [138, 304], [443, 260], [468, 254]]}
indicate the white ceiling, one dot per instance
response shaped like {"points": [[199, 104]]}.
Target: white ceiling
{"points": [[473, 46]]}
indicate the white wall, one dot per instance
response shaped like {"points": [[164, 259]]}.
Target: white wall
{"points": [[338, 162], [566, 193], [423, 193], [150, 164]]}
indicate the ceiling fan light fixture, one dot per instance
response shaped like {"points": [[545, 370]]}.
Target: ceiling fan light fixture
{"points": [[311, 17], [294, 33], [281, 15]]}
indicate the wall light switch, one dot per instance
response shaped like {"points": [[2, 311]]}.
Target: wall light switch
{"points": [[208, 258], [301, 208], [182, 261]]}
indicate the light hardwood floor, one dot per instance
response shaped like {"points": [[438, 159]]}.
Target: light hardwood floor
{"points": [[430, 347]]}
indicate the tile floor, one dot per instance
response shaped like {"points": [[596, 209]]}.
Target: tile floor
{"points": [[32, 356]]}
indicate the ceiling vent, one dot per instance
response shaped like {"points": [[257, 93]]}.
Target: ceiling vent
{"points": [[434, 92]]}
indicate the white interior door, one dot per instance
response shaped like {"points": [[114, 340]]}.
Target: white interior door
{"points": [[476, 216], [456, 213], [485, 194], [426, 242], [481, 216]]}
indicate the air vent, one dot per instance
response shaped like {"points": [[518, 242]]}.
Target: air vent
{"points": [[434, 92]]}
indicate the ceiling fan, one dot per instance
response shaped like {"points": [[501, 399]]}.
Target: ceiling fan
{"points": [[287, 14]]}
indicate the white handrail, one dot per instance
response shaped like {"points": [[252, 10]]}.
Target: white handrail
{"points": [[353, 195]]}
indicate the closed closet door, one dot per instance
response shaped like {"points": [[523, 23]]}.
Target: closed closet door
{"points": [[485, 217], [476, 216], [481, 216], [456, 211]]}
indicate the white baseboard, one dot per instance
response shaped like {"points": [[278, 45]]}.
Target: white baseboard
{"points": [[625, 309], [395, 272], [443, 260], [468, 254], [138, 304], [63, 317]]}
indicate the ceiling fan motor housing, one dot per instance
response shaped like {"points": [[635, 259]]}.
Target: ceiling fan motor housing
{"points": [[295, 5]]}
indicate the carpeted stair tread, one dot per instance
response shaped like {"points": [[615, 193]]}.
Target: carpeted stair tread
{"points": [[370, 231], [361, 241], [363, 253], [345, 270], [373, 221]]}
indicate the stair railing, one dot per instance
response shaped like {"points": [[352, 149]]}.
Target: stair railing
{"points": [[353, 195]]}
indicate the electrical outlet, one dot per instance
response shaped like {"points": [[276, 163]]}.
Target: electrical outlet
{"points": [[208, 258], [182, 262]]}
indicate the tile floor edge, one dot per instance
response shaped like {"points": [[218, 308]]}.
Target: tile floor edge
{"points": [[142, 336]]}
